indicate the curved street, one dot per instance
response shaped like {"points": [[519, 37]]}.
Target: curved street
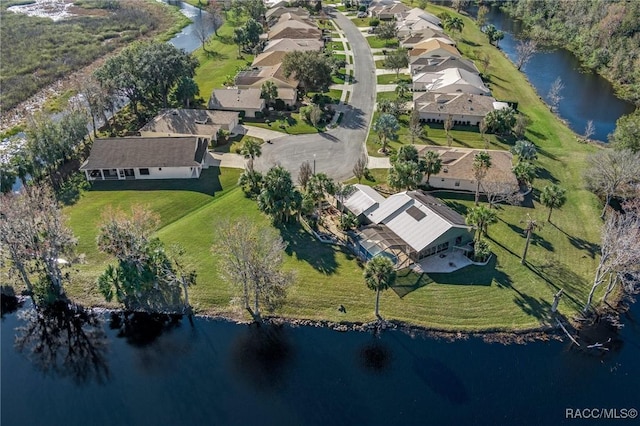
{"points": [[334, 152]]}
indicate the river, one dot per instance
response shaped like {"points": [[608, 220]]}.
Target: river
{"points": [[161, 371], [586, 95]]}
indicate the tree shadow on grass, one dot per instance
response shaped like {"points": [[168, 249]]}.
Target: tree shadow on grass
{"points": [[536, 239], [537, 134], [302, 245], [558, 276], [581, 244], [408, 281], [546, 175], [208, 183]]}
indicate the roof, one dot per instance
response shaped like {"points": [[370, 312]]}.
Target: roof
{"points": [[417, 13], [422, 35], [236, 99], [424, 64], [287, 94], [289, 45], [269, 59], [294, 29], [362, 199], [457, 163], [278, 11], [145, 152], [431, 45], [442, 81], [190, 121], [417, 218], [256, 76], [453, 103]]}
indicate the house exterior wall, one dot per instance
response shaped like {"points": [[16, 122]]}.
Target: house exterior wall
{"points": [[453, 183], [432, 117], [154, 173], [446, 242]]}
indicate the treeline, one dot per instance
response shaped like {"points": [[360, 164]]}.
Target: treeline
{"points": [[603, 34], [38, 51]]}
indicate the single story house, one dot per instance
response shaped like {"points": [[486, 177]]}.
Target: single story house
{"points": [[190, 122], [457, 169], [450, 80], [146, 158], [427, 64], [410, 226], [294, 29], [256, 76], [463, 108], [273, 14], [290, 45], [409, 40], [433, 48], [388, 12], [247, 101], [419, 14], [362, 201]]}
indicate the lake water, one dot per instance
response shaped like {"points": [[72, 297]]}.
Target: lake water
{"points": [[586, 95], [168, 371]]}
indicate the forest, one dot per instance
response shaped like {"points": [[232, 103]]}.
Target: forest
{"points": [[603, 34]]}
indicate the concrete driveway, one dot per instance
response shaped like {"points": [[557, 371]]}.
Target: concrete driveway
{"points": [[335, 151]]}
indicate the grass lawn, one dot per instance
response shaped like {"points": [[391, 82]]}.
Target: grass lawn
{"points": [[220, 60], [380, 64], [340, 56], [294, 125], [361, 22], [377, 43], [335, 45], [392, 79]]}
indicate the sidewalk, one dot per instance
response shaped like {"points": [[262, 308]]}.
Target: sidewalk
{"points": [[378, 163]]}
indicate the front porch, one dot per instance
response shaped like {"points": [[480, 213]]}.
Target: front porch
{"points": [[110, 174]]}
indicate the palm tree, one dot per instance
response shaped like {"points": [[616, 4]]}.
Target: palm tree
{"points": [[531, 225], [525, 150], [554, 197], [432, 164], [386, 126], [318, 186], [403, 89], [481, 164], [525, 172], [278, 197], [250, 150], [481, 217], [454, 24], [379, 275], [269, 92]]}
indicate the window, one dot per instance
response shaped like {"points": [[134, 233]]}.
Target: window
{"points": [[457, 183], [144, 172]]}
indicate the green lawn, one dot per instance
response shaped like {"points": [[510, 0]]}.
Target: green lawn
{"points": [[220, 60], [377, 43], [293, 125], [361, 22], [392, 79], [335, 45], [380, 64]]}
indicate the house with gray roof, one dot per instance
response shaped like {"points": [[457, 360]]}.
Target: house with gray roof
{"points": [[428, 65], [410, 226], [190, 122], [146, 158], [463, 108], [362, 201], [246, 101]]}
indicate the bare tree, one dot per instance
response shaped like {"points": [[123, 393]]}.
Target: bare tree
{"points": [[501, 190], [589, 130], [448, 125], [251, 258], [202, 29], [482, 127], [611, 172], [360, 167], [525, 51], [555, 94], [415, 127], [619, 252], [304, 174], [36, 241]]}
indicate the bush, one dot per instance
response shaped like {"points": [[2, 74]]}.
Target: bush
{"points": [[280, 105], [374, 22]]}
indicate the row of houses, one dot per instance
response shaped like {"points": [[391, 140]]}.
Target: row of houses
{"points": [[290, 29]]}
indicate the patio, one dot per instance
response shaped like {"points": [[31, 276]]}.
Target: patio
{"points": [[442, 263]]}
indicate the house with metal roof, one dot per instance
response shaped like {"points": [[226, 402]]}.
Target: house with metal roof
{"points": [[362, 201], [146, 158], [410, 226]]}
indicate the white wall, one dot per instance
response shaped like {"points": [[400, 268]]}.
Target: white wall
{"points": [[168, 173], [473, 120], [450, 183]]}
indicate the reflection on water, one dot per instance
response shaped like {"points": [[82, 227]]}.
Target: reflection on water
{"points": [[68, 341], [375, 357]]}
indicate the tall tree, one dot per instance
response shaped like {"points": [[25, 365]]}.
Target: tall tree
{"points": [[525, 49], [589, 130], [555, 94], [251, 259], [432, 164], [311, 68], [360, 167], [386, 31], [145, 276], [251, 182], [500, 121], [627, 132], [36, 242], [454, 24], [403, 89], [255, 9], [386, 127], [279, 198], [525, 172], [553, 197], [493, 34], [304, 174], [379, 275], [525, 150], [610, 172], [530, 226], [397, 60], [448, 125], [405, 175], [415, 126], [269, 92], [481, 217], [619, 252], [320, 185], [216, 15], [184, 92], [250, 150], [481, 165], [481, 16]]}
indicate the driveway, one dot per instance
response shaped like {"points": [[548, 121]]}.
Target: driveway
{"points": [[335, 151]]}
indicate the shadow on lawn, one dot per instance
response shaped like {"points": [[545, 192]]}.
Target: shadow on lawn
{"points": [[321, 257], [208, 183], [581, 244]]}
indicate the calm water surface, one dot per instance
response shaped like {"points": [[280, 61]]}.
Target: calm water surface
{"points": [[173, 372]]}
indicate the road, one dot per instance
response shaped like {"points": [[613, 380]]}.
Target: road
{"points": [[335, 151]]}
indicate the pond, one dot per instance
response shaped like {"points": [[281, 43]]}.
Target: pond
{"points": [[161, 370], [586, 95]]}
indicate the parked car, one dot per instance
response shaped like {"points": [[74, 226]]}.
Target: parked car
{"points": [[362, 14]]}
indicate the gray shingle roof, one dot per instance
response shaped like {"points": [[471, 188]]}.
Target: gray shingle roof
{"points": [[145, 152]]}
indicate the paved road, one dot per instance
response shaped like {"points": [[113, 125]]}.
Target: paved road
{"points": [[336, 150]]}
